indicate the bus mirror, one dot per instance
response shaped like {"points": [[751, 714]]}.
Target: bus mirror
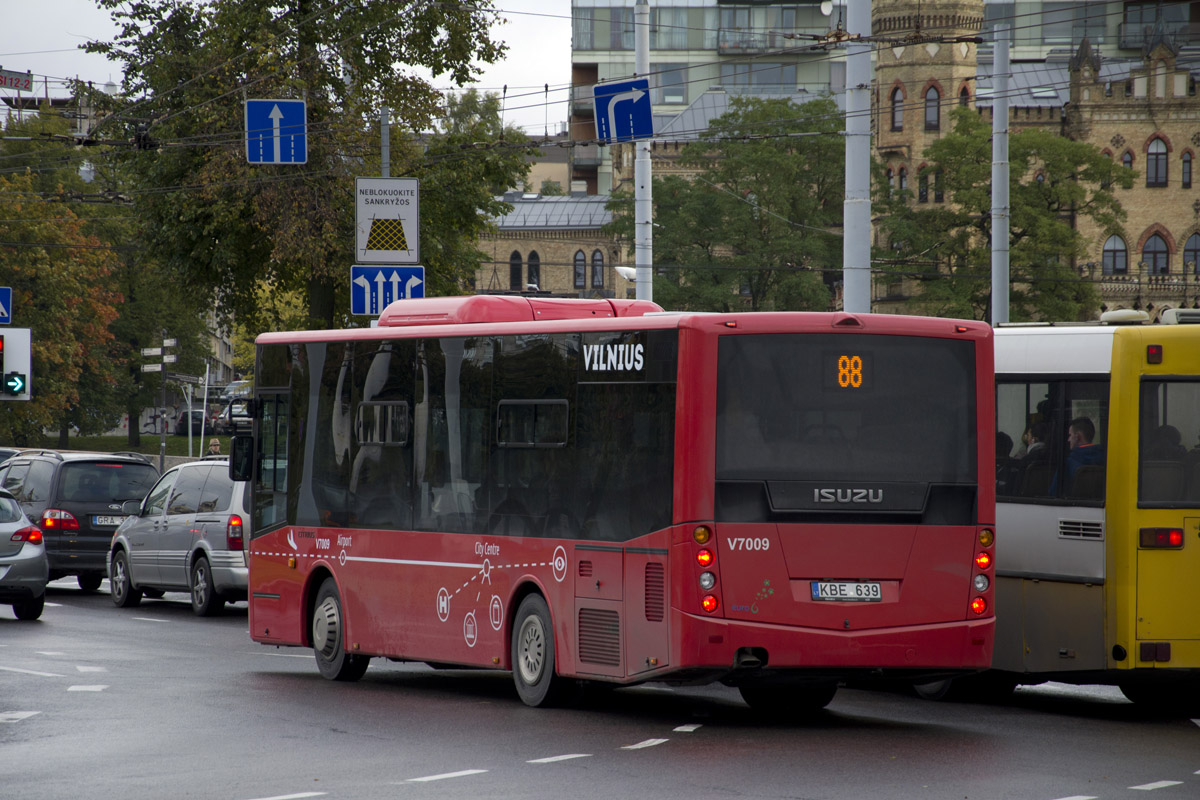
{"points": [[241, 458]]}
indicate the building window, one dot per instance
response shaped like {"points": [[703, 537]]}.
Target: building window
{"points": [[964, 97], [1155, 254], [582, 28], [938, 195], [668, 29], [620, 29], [1156, 163], [933, 109], [533, 277], [923, 188], [1127, 160], [580, 268], [669, 82], [1186, 170], [597, 269], [514, 272], [1191, 255], [891, 181], [897, 109], [1116, 257], [902, 180]]}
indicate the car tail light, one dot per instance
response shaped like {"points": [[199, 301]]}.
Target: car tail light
{"points": [[32, 534], [55, 519], [233, 532], [1171, 538]]}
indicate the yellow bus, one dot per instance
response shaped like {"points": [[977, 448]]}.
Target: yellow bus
{"points": [[1098, 509]]}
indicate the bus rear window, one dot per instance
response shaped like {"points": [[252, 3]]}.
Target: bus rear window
{"points": [[827, 411], [1169, 439]]}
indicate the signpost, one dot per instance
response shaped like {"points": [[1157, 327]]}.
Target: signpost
{"points": [[623, 111], [372, 288], [387, 214], [276, 132]]}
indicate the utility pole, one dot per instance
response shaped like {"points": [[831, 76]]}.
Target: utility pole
{"points": [[856, 243], [385, 143], [1000, 169], [643, 244]]}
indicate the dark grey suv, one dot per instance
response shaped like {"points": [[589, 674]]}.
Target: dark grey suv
{"points": [[186, 536], [76, 499]]}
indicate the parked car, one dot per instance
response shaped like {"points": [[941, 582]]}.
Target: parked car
{"points": [[7, 452], [235, 418], [76, 498], [186, 536], [235, 390], [199, 426], [24, 570]]}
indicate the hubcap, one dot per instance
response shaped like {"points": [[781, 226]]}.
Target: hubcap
{"points": [[326, 625], [531, 650], [200, 585], [119, 583]]}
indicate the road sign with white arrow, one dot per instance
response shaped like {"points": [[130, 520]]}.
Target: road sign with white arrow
{"points": [[623, 111], [372, 288], [276, 132]]}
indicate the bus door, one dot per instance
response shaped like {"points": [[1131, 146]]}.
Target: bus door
{"points": [[599, 591]]}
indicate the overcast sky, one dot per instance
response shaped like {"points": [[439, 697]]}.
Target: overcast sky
{"points": [[40, 36]]}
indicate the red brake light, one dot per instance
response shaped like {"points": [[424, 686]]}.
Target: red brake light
{"points": [[1162, 537], [233, 533], [31, 534], [1154, 353], [59, 520], [979, 605], [983, 561], [709, 603], [704, 557]]}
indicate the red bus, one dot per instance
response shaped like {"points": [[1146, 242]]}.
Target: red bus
{"points": [[597, 491]]}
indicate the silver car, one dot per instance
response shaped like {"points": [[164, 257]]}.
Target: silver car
{"points": [[24, 569], [187, 535]]}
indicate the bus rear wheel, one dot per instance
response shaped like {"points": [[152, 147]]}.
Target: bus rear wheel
{"points": [[533, 655], [778, 701], [328, 638]]}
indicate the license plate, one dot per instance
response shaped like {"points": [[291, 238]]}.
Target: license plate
{"points": [[108, 521], [869, 592]]}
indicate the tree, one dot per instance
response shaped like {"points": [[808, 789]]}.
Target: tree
{"points": [[224, 227], [753, 225], [947, 247]]}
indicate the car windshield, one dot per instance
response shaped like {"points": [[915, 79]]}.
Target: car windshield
{"points": [[104, 482], [10, 511]]}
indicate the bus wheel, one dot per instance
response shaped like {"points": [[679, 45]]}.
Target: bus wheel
{"points": [[328, 628], [779, 701], [533, 655]]}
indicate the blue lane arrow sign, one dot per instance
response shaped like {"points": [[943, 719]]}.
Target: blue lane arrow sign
{"points": [[373, 288], [623, 111], [276, 132]]}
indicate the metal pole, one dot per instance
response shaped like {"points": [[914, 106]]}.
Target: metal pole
{"points": [[856, 243], [385, 148], [162, 417], [1000, 207], [643, 246]]}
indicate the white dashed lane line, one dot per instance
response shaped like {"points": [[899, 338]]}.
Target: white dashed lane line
{"points": [[460, 774], [293, 796], [32, 672], [642, 745], [1079, 797], [687, 728], [85, 668], [16, 716], [95, 688], [1147, 787], [150, 619], [553, 759]]}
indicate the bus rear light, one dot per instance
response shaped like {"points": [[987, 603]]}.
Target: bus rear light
{"points": [[709, 603], [1162, 537], [707, 580], [979, 605], [983, 560], [986, 537], [31, 534], [704, 558], [58, 520], [233, 533], [1154, 353], [702, 534], [982, 583]]}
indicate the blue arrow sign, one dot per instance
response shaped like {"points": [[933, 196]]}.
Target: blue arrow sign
{"points": [[623, 111], [276, 132], [6, 308], [373, 288]]}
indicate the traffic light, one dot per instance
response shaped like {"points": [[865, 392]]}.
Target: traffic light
{"points": [[14, 364]]}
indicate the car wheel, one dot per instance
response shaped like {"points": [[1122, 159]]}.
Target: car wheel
{"points": [[124, 595], [533, 655], [328, 638], [89, 581], [205, 600], [30, 609]]}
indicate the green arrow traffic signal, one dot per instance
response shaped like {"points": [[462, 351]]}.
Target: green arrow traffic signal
{"points": [[14, 383]]}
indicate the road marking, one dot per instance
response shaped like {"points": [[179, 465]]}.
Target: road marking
{"points": [[16, 716], [294, 796], [33, 672], [49, 653], [444, 775], [647, 743], [688, 728], [85, 668], [1079, 797], [53, 605], [1146, 787], [280, 655], [150, 619], [94, 688], [552, 759]]}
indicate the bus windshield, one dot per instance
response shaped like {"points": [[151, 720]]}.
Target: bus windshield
{"points": [[807, 414]]}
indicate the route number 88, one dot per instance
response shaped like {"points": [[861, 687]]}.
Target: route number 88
{"points": [[850, 371]]}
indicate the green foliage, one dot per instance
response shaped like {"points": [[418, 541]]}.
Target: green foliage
{"points": [[752, 226], [948, 246]]}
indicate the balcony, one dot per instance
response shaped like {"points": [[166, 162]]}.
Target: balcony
{"points": [[588, 155], [732, 42]]}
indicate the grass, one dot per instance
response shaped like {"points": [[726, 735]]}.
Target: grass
{"points": [[150, 443]]}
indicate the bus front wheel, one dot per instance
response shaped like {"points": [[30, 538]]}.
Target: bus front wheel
{"points": [[780, 701], [328, 638], [533, 655]]}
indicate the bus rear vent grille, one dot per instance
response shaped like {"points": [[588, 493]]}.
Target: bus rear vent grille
{"points": [[1080, 529], [585, 569], [599, 637], [655, 593]]}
